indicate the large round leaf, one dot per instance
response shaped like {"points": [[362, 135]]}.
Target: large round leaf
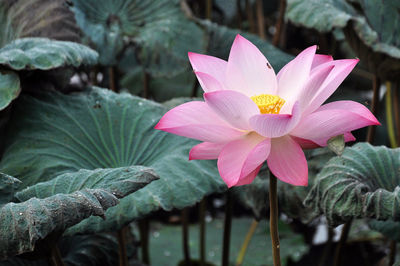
{"points": [[22, 225], [100, 129], [160, 32], [120, 182], [8, 186], [363, 182], [9, 88], [372, 31], [45, 54]]}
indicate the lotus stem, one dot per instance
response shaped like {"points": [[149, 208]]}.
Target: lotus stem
{"points": [[328, 246], [273, 219], [121, 235], [389, 116], [279, 23], [146, 85], [227, 229], [250, 17], [260, 19], [376, 84], [342, 241], [392, 254], [246, 242], [185, 235], [208, 9], [55, 257], [144, 240], [396, 110], [195, 87], [111, 77], [202, 218]]}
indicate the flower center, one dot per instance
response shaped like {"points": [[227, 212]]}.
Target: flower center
{"points": [[268, 104]]}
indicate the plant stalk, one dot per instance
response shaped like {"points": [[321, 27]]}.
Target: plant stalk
{"points": [[250, 17], [111, 77], [123, 257], [55, 257], [279, 23], [342, 241], [227, 229], [144, 239], [376, 84], [185, 235], [208, 9], [389, 116], [273, 219], [202, 218], [246, 242], [396, 109], [392, 254], [260, 19]]}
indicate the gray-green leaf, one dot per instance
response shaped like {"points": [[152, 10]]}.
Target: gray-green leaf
{"points": [[22, 225], [45, 54], [120, 182], [363, 182], [58, 134], [9, 88], [8, 186]]}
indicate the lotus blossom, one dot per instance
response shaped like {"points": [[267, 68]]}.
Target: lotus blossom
{"points": [[250, 115]]}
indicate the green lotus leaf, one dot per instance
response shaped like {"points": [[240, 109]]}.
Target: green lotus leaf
{"points": [[8, 186], [120, 182], [22, 225], [9, 88], [159, 30], [45, 54], [58, 134], [99, 249], [389, 228], [372, 31], [362, 183]]}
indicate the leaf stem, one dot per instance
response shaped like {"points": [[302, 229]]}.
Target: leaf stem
{"points": [[208, 9], [185, 235], [202, 218], [260, 19], [144, 239], [273, 219], [111, 77], [389, 116], [376, 84], [55, 256], [246, 242], [123, 258], [342, 241], [227, 229], [250, 18], [396, 109], [392, 254], [279, 23]]}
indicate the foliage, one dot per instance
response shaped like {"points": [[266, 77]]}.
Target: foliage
{"points": [[363, 182]]}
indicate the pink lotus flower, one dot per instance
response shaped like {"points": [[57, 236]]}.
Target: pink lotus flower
{"points": [[250, 115]]}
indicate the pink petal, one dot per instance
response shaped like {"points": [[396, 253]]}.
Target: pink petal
{"points": [[196, 120], [239, 158], [308, 144], [276, 125], [287, 161], [313, 84], [236, 81], [253, 65], [249, 178], [332, 120], [210, 65], [206, 151], [232, 106], [208, 83], [293, 76], [338, 74], [320, 59]]}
